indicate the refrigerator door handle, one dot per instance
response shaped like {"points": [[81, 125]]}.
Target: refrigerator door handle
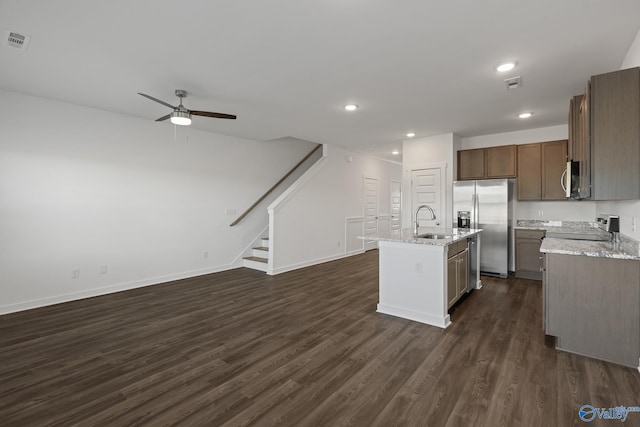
{"points": [[473, 218]]}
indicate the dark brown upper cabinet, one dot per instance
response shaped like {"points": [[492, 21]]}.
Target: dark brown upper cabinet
{"points": [[615, 135], [530, 172], [485, 163], [540, 170]]}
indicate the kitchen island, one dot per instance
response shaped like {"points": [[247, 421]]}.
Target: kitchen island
{"points": [[420, 277]]}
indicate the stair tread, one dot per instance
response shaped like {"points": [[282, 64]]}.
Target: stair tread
{"points": [[261, 248], [257, 259]]}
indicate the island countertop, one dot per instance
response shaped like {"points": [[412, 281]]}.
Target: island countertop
{"points": [[407, 236]]}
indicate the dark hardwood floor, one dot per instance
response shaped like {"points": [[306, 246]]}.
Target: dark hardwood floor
{"points": [[304, 348]]}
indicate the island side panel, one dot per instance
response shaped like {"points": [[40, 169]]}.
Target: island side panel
{"points": [[413, 282]]}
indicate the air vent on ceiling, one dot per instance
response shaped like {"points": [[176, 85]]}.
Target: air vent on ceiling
{"points": [[513, 82], [16, 40]]}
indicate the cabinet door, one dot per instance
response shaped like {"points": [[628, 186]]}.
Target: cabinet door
{"points": [[529, 172], [471, 164], [571, 128], [463, 272], [501, 161], [615, 139], [554, 164], [573, 146], [593, 306], [584, 143], [528, 263], [527, 252], [452, 280]]}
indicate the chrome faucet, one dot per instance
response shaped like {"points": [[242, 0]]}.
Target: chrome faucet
{"points": [[416, 225]]}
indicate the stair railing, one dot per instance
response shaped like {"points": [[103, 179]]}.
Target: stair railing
{"points": [[269, 191]]}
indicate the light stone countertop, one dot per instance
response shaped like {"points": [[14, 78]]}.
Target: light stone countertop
{"points": [[559, 226], [407, 236], [625, 249]]}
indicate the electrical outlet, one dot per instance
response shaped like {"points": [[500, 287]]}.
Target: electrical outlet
{"points": [[418, 267], [75, 273], [103, 269], [338, 243], [205, 254]]}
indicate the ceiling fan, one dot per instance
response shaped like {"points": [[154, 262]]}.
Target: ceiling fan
{"points": [[182, 116]]}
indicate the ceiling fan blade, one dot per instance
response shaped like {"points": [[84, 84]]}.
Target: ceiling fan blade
{"points": [[215, 115], [157, 100], [163, 118]]}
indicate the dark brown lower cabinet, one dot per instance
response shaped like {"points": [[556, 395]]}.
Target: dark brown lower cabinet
{"points": [[528, 256], [457, 271], [592, 306]]}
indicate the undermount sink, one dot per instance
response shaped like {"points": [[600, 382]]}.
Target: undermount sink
{"points": [[433, 236]]}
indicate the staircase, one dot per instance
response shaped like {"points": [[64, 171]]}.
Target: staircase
{"points": [[259, 259], [260, 252]]}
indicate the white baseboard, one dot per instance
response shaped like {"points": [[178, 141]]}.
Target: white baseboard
{"points": [[88, 293], [429, 319], [292, 267]]}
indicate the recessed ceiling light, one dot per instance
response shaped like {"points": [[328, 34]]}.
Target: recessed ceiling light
{"points": [[525, 115], [507, 66], [351, 107], [411, 134], [395, 152]]}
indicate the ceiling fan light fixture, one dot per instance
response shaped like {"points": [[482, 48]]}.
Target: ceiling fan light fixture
{"points": [[181, 118]]}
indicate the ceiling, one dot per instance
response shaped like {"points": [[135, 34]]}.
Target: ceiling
{"points": [[286, 68]]}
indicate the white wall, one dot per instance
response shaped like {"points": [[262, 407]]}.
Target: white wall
{"points": [[432, 151], [632, 58], [551, 133], [309, 228], [108, 189], [570, 210], [627, 209]]}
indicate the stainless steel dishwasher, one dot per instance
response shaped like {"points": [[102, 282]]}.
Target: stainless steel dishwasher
{"points": [[472, 275]]}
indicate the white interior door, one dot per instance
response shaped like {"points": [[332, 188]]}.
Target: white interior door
{"points": [[370, 211], [426, 189], [396, 200]]}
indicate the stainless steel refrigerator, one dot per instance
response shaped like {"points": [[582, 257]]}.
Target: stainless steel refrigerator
{"points": [[487, 204]]}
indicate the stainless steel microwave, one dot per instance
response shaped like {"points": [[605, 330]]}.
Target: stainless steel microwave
{"points": [[571, 180]]}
